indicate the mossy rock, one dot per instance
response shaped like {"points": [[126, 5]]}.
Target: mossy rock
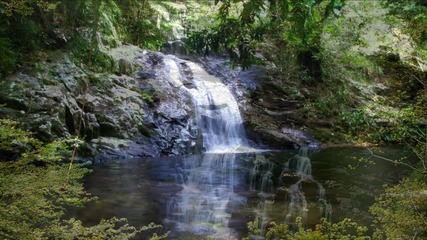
{"points": [[326, 135]]}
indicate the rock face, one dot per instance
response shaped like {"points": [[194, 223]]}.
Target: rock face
{"points": [[139, 110], [271, 117], [133, 113]]}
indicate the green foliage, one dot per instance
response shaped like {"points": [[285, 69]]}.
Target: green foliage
{"points": [[38, 184], [241, 25], [17, 36], [354, 62], [415, 13], [148, 99], [347, 71], [26, 7], [35, 188], [86, 27], [88, 53], [401, 212], [254, 228], [278, 231], [327, 105], [355, 122], [344, 230], [237, 41], [107, 229], [150, 24], [7, 57], [14, 141]]}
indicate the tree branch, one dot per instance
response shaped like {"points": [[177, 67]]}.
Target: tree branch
{"points": [[395, 162]]}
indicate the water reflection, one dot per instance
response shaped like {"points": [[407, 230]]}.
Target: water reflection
{"points": [[217, 194], [209, 194]]}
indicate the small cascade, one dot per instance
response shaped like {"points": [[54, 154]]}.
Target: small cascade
{"points": [[325, 207], [261, 181], [261, 175], [298, 173], [202, 204], [217, 113]]}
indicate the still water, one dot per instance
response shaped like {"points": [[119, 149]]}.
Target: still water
{"points": [[214, 195]]}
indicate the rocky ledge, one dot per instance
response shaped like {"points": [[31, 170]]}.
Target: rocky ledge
{"points": [[134, 112], [272, 117]]}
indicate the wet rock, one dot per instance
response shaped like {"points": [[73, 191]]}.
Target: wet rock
{"points": [[289, 178], [115, 148], [301, 138], [141, 103], [271, 114], [119, 116], [274, 138], [282, 139], [172, 112], [143, 75], [176, 47], [111, 146], [283, 194], [124, 67]]}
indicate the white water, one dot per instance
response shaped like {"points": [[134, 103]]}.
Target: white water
{"points": [[201, 206], [217, 112], [208, 195], [300, 165]]}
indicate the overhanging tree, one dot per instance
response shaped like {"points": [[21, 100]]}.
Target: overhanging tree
{"points": [[240, 25]]}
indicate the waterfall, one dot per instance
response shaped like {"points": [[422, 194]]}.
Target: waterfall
{"points": [[208, 182], [217, 112]]}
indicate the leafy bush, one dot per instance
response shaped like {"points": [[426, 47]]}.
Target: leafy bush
{"points": [[355, 122], [37, 184], [414, 12], [344, 230], [88, 53], [401, 212]]}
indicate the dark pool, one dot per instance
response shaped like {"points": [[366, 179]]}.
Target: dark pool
{"points": [[215, 195]]}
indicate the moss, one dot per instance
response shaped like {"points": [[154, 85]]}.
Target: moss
{"points": [[89, 54], [146, 131], [326, 135], [98, 82], [148, 99]]}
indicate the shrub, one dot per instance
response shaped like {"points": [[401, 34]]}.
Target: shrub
{"points": [[38, 183]]}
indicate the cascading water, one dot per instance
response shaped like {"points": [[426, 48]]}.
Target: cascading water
{"points": [[297, 187], [208, 194], [218, 192], [209, 190], [217, 112], [300, 167]]}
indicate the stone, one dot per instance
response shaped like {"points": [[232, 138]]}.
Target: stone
{"points": [[271, 115], [124, 67], [61, 99], [124, 115]]}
